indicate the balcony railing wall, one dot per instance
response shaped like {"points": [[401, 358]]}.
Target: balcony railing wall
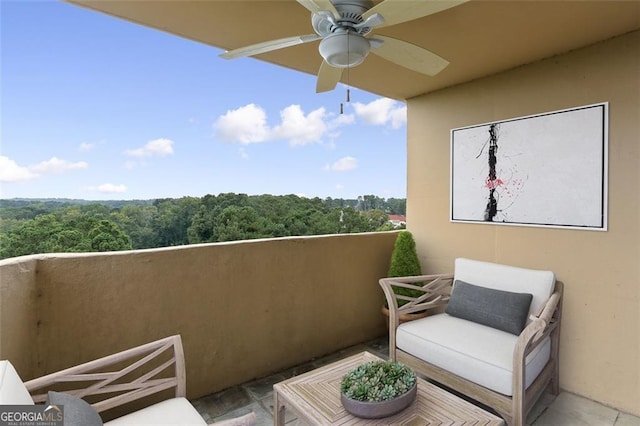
{"points": [[244, 309]]}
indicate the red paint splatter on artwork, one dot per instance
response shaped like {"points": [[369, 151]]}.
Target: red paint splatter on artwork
{"points": [[492, 184]]}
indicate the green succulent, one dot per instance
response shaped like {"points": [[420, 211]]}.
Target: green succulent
{"points": [[377, 381]]}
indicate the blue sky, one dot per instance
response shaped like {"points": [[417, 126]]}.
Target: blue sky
{"points": [[95, 107]]}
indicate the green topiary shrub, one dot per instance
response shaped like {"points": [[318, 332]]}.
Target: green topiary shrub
{"points": [[405, 263]]}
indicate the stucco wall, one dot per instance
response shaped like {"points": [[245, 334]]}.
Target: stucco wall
{"points": [[18, 315], [600, 339], [244, 309]]}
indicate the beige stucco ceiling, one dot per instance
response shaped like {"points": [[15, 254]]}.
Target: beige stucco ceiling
{"points": [[479, 38]]}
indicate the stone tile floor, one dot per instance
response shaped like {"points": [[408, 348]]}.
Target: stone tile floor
{"points": [[564, 410]]}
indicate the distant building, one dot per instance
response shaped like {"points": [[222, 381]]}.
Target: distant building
{"points": [[397, 220]]}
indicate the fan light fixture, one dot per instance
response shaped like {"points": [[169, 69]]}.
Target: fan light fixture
{"points": [[344, 49], [341, 27]]}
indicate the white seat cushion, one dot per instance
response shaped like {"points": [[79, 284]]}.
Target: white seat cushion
{"points": [[12, 389], [175, 411], [508, 278], [473, 351]]}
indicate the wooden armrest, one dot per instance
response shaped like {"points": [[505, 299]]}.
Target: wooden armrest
{"points": [[550, 307], [527, 338], [434, 289], [141, 365], [540, 327]]}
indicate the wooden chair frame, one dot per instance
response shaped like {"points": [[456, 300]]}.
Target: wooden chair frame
{"points": [[436, 292], [97, 371]]}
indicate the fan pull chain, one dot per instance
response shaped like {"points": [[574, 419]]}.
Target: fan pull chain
{"points": [[348, 69], [348, 72], [348, 94]]}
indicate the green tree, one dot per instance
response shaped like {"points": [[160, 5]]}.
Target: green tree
{"points": [[172, 220], [106, 236], [43, 226], [370, 202], [202, 226], [33, 236], [238, 223], [352, 221], [137, 222], [396, 206], [70, 241], [65, 231], [377, 219]]}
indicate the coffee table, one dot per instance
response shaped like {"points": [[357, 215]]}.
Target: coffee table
{"points": [[315, 398]]}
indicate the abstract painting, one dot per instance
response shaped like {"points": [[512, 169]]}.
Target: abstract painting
{"points": [[547, 169]]}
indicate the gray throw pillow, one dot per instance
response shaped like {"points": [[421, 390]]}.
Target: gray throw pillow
{"points": [[504, 310], [77, 412]]}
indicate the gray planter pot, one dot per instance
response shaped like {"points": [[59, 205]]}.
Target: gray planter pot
{"points": [[378, 410]]}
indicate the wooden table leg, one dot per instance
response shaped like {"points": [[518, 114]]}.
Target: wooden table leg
{"points": [[278, 410]]}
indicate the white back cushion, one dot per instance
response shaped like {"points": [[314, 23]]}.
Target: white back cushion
{"points": [[12, 390], [508, 278]]}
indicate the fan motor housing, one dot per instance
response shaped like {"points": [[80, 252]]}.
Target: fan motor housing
{"points": [[350, 14]]}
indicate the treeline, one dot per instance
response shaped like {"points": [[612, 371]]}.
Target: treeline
{"points": [[56, 226]]}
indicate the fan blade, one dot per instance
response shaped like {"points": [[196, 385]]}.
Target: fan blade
{"points": [[268, 46], [328, 77], [398, 11], [315, 6], [409, 55], [374, 20]]}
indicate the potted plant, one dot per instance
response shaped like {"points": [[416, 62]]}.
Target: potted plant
{"points": [[378, 389], [404, 263]]}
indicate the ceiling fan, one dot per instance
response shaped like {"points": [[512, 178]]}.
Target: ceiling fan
{"points": [[343, 27]]}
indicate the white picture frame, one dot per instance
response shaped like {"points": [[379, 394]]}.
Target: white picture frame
{"points": [[548, 169]]}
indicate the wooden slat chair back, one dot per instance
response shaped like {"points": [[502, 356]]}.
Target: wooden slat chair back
{"points": [[122, 377], [436, 291]]}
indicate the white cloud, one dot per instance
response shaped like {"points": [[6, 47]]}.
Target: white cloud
{"points": [[247, 124], [298, 128], [57, 166], [382, 111], [343, 119], [334, 124], [157, 147], [243, 153], [86, 146], [399, 117], [108, 188], [111, 188], [344, 164], [10, 171], [90, 146], [339, 187]]}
